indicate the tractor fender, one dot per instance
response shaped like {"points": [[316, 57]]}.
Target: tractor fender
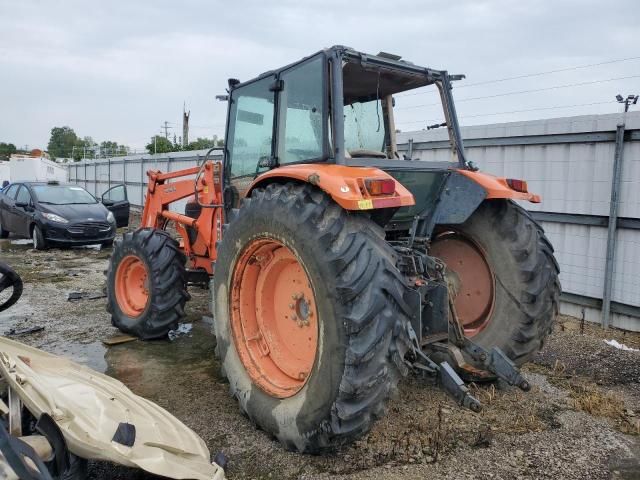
{"points": [[465, 190], [345, 185], [497, 187]]}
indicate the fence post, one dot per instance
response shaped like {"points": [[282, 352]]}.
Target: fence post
{"points": [[612, 227]]}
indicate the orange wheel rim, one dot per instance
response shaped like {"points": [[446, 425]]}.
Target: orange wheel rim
{"points": [[132, 286], [473, 276], [274, 317]]}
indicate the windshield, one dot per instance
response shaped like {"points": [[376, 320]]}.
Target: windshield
{"points": [[62, 195], [364, 126]]}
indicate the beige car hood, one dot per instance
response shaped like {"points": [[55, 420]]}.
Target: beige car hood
{"points": [[89, 406]]}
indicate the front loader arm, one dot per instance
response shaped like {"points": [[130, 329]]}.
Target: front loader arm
{"points": [[165, 188]]}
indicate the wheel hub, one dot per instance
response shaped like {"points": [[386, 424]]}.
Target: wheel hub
{"points": [[132, 286], [469, 271], [274, 317]]}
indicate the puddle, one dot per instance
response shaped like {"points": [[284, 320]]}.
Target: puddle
{"points": [[15, 245], [90, 354], [147, 367]]}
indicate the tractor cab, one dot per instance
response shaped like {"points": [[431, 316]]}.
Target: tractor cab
{"points": [[335, 106]]}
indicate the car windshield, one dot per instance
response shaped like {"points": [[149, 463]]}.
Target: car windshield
{"points": [[62, 195]]}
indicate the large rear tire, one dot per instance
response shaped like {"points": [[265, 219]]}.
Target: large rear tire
{"points": [[507, 277], [358, 336], [146, 284]]}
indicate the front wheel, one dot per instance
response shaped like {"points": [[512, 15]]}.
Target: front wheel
{"points": [[146, 284], [505, 276], [310, 322], [39, 242]]}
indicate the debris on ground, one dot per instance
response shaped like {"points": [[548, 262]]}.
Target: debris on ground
{"points": [[75, 296], [24, 331], [98, 417], [620, 346], [119, 339], [183, 329]]}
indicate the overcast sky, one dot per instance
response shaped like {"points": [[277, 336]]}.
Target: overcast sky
{"points": [[116, 70]]}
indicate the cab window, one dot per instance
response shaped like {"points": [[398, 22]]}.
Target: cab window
{"points": [[251, 127], [302, 112]]}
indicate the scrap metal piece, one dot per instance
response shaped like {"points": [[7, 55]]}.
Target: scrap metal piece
{"points": [[9, 278], [88, 407]]}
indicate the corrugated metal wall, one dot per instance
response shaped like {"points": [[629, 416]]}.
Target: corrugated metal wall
{"points": [[569, 161], [573, 176]]}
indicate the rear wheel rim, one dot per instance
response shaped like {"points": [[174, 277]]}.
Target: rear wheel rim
{"points": [[274, 317], [470, 270], [132, 286]]}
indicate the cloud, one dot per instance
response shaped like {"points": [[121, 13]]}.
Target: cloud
{"points": [[116, 70]]}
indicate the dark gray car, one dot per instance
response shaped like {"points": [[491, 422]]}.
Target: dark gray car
{"points": [[58, 214]]}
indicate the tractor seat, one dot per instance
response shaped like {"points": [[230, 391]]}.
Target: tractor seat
{"points": [[366, 153]]}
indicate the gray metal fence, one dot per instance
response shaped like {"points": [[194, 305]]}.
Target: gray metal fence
{"points": [[568, 161]]}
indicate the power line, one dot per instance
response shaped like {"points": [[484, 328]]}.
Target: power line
{"points": [[528, 75], [512, 111], [520, 92]]}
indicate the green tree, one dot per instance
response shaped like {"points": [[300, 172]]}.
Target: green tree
{"points": [[6, 150], [204, 143], [62, 141], [160, 144]]}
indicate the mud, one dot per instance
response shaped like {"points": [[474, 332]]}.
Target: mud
{"points": [[581, 419]]}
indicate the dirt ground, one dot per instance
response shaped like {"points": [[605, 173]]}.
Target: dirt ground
{"points": [[581, 419]]}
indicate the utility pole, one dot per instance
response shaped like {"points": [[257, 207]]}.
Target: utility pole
{"points": [[185, 125], [613, 210], [166, 128]]}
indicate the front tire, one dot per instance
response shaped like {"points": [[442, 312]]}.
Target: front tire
{"points": [[508, 278], [361, 317], [146, 284], [39, 242]]}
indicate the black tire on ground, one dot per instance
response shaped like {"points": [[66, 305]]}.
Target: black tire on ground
{"points": [[167, 287], [3, 233], [9, 279], [362, 316], [527, 288], [39, 242]]}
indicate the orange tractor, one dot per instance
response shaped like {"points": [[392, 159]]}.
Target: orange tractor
{"points": [[337, 266]]}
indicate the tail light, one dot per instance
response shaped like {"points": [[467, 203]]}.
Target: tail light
{"points": [[380, 186], [518, 185]]}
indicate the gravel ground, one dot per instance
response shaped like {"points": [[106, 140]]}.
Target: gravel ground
{"points": [[581, 419]]}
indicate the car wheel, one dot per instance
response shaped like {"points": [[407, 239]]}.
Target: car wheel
{"points": [[39, 243]]}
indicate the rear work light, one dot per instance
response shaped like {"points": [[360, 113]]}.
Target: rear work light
{"points": [[518, 185], [380, 186]]}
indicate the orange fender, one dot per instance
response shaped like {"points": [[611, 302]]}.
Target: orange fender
{"points": [[345, 185], [497, 187]]}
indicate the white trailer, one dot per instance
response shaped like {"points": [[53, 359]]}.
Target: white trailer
{"points": [[36, 169], [5, 174]]}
